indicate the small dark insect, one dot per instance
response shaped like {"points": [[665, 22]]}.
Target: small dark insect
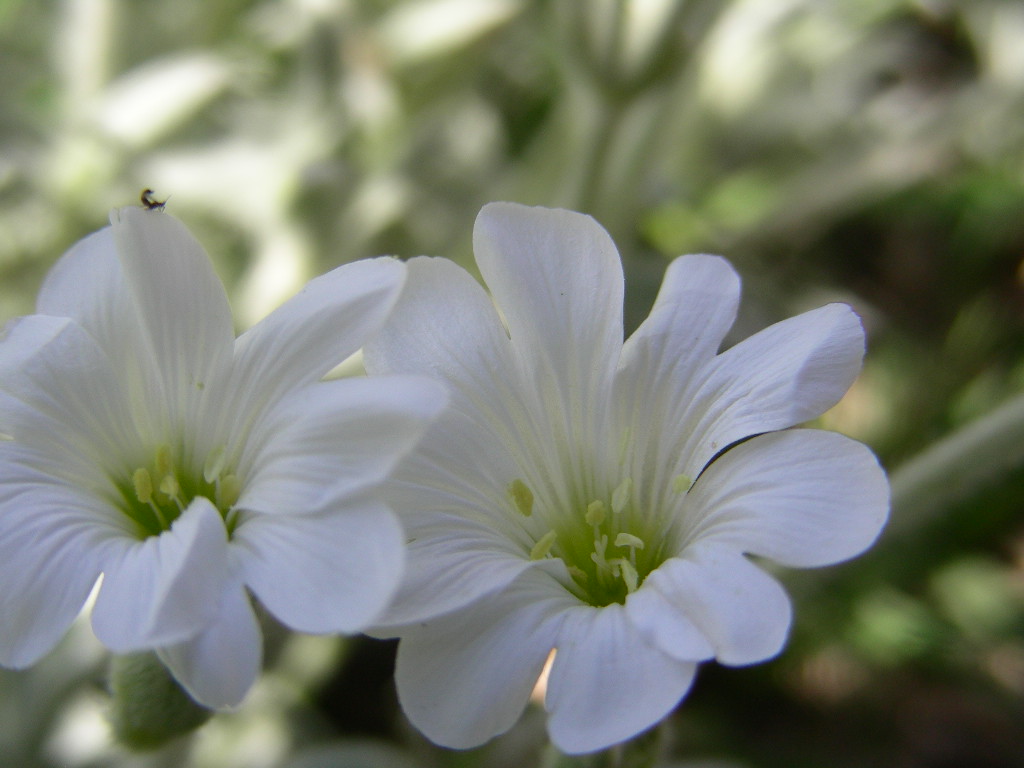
{"points": [[150, 203]]}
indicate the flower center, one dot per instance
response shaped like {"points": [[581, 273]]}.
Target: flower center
{"points": [[159, 492], [607, 544]]}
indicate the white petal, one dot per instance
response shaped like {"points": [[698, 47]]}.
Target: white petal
{"points": [[468, 676], [88, 285], [742, 611], [786, 374], [166, 588], [694, 310], [557, 277], [803, 498], [663, 621], [181, 303], [337, 437], [463, 467], [449, 565], [607, 684], [84, 282], [59, 393], [446, 326], [50, 548], [220, 664], [331, 570], [328, 320]]}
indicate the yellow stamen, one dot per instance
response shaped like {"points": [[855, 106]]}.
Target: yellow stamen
{"points": [[629, 540], [164, 464], [682, 483], [522, 497], [169, 486], [543, 546], [143, 485], [578, 574], [622, 495], [214, 465], [595, 514], [228, 490], [629, 575]]}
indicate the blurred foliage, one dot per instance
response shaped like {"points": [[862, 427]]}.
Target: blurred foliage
{"points": [[870, 152]]}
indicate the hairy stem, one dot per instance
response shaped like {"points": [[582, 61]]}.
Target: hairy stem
{"points": [[958, 466]]}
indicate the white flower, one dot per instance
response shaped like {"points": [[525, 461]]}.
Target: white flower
{"points": [[143, 442], [579, 496]]}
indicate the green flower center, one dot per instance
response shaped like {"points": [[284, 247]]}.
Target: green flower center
{"points": [[158, 493], [607, 544]]}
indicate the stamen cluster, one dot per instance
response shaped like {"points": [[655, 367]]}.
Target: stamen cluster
{"points": [[603, 542], [161, 492]]}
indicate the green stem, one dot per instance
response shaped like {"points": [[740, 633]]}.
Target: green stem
{"points": [[957, 466], [149, 709], [598, 158]]}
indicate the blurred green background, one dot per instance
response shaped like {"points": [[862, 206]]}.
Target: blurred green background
{"points": [[868, 151]]}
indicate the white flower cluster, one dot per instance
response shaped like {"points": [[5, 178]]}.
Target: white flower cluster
{"points": [[512, 479]]}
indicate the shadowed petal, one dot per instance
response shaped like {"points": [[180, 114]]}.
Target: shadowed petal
{"points": [[740, 609], [446, 326], [788, 373], [803, 498], [166, 588], [51, 538], [59, 393], [326, 322], [220, 664], [450, 564], [607, 684], [485, 660], [330, 570], [336, 437], [661, 618]]}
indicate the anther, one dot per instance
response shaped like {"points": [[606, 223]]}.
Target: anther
{"points": [[169, 486], [629, 540], [214, 465], [595, 514], [629, 575], [598, 555], [164, 464], [543, 546], [578, 574], [622, 495], [522, 497], [143, 483], [229, 488], [682, 483], [632, 542]]}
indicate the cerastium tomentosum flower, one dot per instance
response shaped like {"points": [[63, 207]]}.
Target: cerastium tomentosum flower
{"points": [[600, 498], [144, 442]]}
